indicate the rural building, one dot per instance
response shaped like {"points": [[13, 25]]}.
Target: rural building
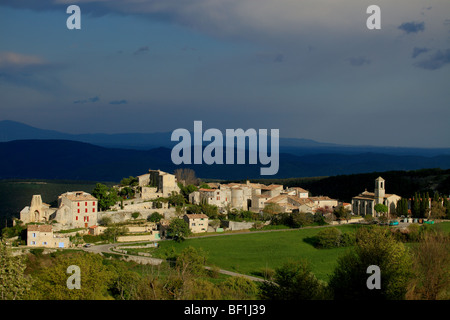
{"points": [[365, 202], [289, 203], [197, 222], [38, 211], [42, 236], [77, 209], [297, 191], [155, 184], [96, 230]]}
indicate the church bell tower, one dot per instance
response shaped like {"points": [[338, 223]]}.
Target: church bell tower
{"points": [[379, 190]]}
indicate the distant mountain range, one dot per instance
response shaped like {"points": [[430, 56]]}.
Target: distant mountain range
{"points": [[65, 159], [12, 130]]}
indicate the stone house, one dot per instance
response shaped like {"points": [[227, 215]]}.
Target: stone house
{"points": [[42, 236], [77, 209], [157, 183], [197, 222]]}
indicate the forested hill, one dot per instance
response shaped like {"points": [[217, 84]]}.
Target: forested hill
{"points": [[344, 187], [71, 160]]}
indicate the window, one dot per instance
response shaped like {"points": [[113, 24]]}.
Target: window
{"points": [[34, 235], [85, 210], [85, 204], [93, 209], [44, 243], [76, 218], [78, 211], [78, 204], [93, 203], [33, 242]]}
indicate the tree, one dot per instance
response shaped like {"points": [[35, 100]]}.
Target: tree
{"points": [[342, 213], [415, 209], [127, 192], [402, 207], [106, 197], [238, 288], [293, 281], [155, 217], [437, 210], [51, 282], [329, 238], [374, 246], [14, 284], [446, 204], [178, 229], [300, 219], [125, 282], [212, 211], [135, 215], [111, 233], [424, 207], [176, 199], [187, 190], [272, 208], [381, 208], [431, 267], [130, 181], [186, 175], [191, 261]]}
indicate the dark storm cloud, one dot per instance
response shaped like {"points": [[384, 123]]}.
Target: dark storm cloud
{"points": [[141, 50], [92, 100], [119, 102], [417, 51], [412, 27], [358, 61], [435, 61]]}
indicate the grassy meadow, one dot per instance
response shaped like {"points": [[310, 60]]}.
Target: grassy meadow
{"points": [[252, 252]]}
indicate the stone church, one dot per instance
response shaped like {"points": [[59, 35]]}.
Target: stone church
{"points": [[365, 202], [38, 211]]}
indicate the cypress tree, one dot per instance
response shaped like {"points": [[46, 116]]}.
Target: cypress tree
{"points": [[415, 210]]}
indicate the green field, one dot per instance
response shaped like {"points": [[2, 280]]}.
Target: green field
{"points": [[251, 253]]}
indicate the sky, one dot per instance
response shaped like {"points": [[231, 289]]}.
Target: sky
{"points": [[311, 69]]}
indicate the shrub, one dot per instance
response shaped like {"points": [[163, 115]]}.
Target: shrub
{"points": [[329, 238], [347, 239], [135, 215]]}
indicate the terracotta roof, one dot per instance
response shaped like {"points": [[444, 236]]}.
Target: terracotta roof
{"points": [[321, 198], [277, 198], [79, 196], [294, 198], [299, 189], [271, 187], [196, 216], [40, 227], [207, 190]]}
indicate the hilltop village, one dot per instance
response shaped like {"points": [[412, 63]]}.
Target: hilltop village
{"points": [[149, 202]]}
